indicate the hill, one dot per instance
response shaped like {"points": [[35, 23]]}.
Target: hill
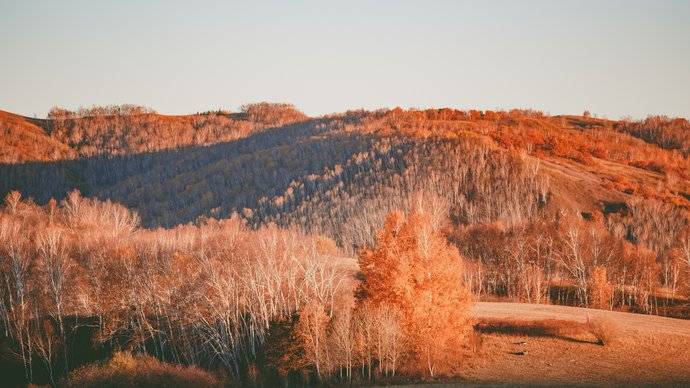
{"points": [[25, 139], [645, 350], [234, 248], [315, 173], [129, 129]]}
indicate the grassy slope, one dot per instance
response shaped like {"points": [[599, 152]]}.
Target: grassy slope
{"points": [[647, 350]]}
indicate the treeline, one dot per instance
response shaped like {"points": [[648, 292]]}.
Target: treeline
{"points": [[131, 129], [666, 132], [269, 304], [201, 294], [588, 261], [57, 113]]}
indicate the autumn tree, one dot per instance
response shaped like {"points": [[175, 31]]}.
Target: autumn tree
{"points": [[272, 114], [601, 289], [414, 270], [311, 328]]}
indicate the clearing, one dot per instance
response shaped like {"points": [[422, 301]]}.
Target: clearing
{"points": [[645, 350]]}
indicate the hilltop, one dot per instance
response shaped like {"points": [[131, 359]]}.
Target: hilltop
{"points": [[129, 129]]}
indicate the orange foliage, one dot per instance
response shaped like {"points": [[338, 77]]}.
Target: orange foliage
{"points": [[413, 269], [601, 290]]}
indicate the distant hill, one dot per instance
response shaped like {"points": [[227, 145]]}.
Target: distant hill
{"points": [[129, 129], [23, 139], [270, 163]]}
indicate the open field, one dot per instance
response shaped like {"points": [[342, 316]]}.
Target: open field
{"points": [[647, 350]]}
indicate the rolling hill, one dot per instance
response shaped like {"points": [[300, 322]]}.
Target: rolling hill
{"points": [[494, 166], [644, 350], [213, 239]]}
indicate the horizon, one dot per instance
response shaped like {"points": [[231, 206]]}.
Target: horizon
{"points": [[557, 58], [238, 109]]}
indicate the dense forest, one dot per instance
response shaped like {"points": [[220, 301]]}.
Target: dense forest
{"points": [[269, 246]]}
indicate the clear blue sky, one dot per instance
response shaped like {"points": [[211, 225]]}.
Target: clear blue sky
{"points": [[614, 58]]}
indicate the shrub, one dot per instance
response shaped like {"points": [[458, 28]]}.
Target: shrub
{"points": [[604, 330], [126, 370], [273, 114], [556, 328]]}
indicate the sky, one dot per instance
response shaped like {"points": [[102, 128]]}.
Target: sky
{"points": [[613, 58]]}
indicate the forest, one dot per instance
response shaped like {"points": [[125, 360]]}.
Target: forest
{"points": [[267, 247]]}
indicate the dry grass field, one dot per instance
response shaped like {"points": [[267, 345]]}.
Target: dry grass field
{"points": [[553, 345]]}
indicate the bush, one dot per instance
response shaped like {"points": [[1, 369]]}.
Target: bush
{"points": [[273, 114], [604, 330], [125, 370], [556, 328]]}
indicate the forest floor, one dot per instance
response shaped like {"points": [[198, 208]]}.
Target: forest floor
{"points": [[644, 349]]}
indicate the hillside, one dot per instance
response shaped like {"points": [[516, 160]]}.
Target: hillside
{"points": [[492, 166], [278, 248], [25, 139], [646, 350], [589, 161], [129, 129]]}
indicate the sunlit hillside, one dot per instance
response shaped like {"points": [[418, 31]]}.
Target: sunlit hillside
{"points": [[264, 246]]}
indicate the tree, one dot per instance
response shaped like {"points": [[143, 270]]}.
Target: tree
{"points": [[684, 253], [601, 289], [414, 270], [311, 328], [55, 267]]}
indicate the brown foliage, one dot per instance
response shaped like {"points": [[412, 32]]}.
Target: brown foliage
{"points": [[205, 293], [526, 260], [601, 289], [125, 370]]}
